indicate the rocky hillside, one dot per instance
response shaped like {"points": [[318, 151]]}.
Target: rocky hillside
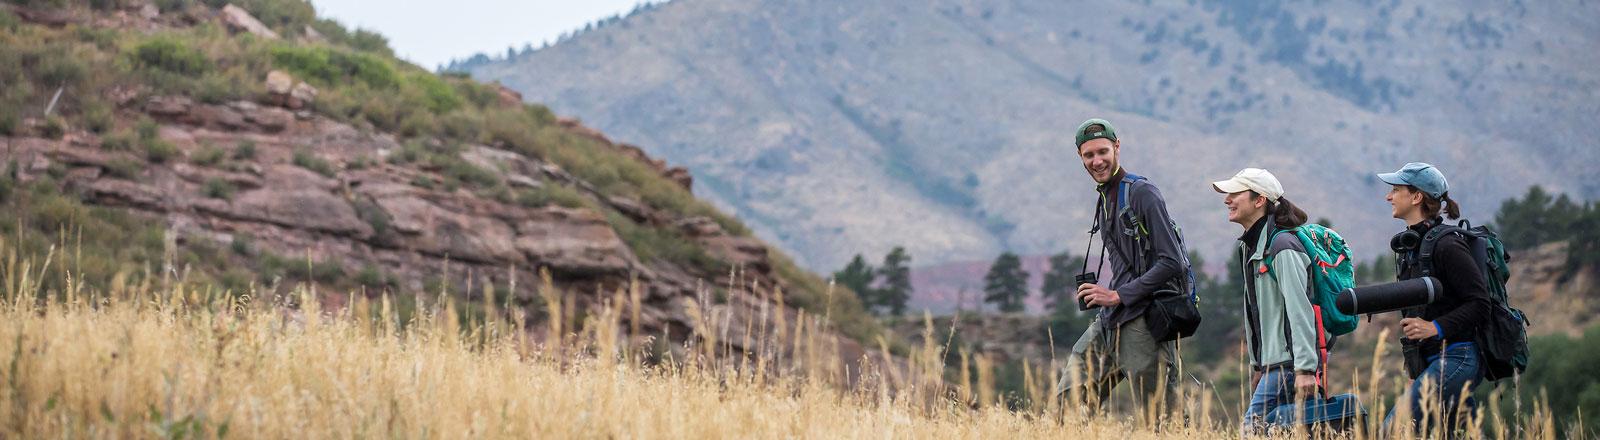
{"points": [[839, 127], [203, 143]]}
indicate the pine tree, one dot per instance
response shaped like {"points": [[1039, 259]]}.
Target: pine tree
{"points": [[858, 276], [1583, 247], [896, 276], [1524, 223], [1006, 284], [1222, 305], [1060, 290], [1059, 286]]}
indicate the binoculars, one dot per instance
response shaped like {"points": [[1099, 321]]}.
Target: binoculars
{"points": [[1388, 297], [1086, 278]]}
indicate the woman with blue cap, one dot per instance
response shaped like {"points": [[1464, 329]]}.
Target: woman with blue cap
{"points": [[1437, 339]]}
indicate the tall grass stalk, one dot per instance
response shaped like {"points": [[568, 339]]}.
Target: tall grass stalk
{"points": [[147, 357]]}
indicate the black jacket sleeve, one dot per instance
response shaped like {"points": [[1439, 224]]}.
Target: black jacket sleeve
{"points": [[1465, 285], [1164, 257]]}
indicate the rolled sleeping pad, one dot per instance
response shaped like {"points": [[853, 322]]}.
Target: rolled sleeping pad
{"points": [[1389, 297]]}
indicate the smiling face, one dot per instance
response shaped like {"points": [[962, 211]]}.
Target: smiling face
{"points": [[1099, 158], [1244, 207], [1405, 202]]}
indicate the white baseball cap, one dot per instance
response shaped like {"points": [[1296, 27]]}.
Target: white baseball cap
{"points": [[1252, 179]]}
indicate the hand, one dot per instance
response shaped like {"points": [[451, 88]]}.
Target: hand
{"points": [[1100, 296], [1417, 330], [1305, 385], [1255, 379]]}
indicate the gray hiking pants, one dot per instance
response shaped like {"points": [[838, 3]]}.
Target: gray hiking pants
{"points": [[1101, 359]]}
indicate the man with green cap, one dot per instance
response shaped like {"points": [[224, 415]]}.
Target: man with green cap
{"points": [[1147, 259]]}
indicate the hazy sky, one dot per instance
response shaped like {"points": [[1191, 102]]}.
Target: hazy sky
{"points": [[430, 32]]}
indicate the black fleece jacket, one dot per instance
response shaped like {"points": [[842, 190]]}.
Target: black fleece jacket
{"points": [[1145, 258], [1465, 302]]}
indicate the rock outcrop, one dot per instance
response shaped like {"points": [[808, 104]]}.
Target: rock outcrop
{"points": [[240, 20], [374, 215]]}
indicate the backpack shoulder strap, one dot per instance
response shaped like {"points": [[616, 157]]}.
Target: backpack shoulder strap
{"points": [[1122, 189], [1429, 242]]}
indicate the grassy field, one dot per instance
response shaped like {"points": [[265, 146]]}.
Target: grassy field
{"points": [[157, 356]]}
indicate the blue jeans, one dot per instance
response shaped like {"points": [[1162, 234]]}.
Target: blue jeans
{"points": [[1454, 371], [1272, 405]]}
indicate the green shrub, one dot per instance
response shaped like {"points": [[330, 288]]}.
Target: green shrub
{"points": [[423, 182], [368, 41], [174, 5], [8, 21], [664, 245], [147, 129], [8, 119], [208, 156], [159, 151], [104, 39], [409, 152], [329, 66], [214, 88], [465, 172], [372, 277], [242, 244], [53, 128], [499, 193], [170, 55], [464, 125], [374, 215], [304, 159], [331, 29], [124, 168], [360, 162], [479, 94], [58, 67], [551, 194], [1561, 367], [105, 240], [218, 188], [301, 268], [438, 96], [119, 141], [235, 280], [8, 181], [96, 117], [245, 150]]}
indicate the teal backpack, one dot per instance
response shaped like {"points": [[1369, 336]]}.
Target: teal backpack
{"points": [[1334, 272]]}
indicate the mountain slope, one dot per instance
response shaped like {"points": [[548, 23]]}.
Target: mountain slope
{"points": [[841, 127]]}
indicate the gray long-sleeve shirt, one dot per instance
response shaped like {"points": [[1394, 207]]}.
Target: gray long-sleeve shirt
{"points": [[1146, 257]]}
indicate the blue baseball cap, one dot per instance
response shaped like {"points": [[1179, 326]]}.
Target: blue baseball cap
{"points": [[1422, 175]]}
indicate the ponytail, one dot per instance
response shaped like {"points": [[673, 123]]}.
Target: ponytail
{"points": [[1285, 215], [1443, 205], [1451, 208]]}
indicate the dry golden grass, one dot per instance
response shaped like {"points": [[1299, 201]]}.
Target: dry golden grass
{"points": [[167, 359]]}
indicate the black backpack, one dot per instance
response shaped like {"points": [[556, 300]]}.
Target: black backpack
{"points": [[1503, 340]]}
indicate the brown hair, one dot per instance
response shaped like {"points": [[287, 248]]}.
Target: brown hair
{"points": [[1284, 214], [1432, 207]]}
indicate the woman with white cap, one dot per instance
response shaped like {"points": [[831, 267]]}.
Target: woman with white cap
{"points": [[1437, 339], [1282, 326]]}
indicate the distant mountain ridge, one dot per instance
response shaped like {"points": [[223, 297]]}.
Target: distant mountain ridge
{"points": [[836, 127]]}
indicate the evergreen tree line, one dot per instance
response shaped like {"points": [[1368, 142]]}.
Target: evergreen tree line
{"points": [[1539, 218], [886, 288], [480, 59]]}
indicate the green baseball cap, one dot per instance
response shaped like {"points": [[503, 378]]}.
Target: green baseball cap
{"points": [[1084, 135]]}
